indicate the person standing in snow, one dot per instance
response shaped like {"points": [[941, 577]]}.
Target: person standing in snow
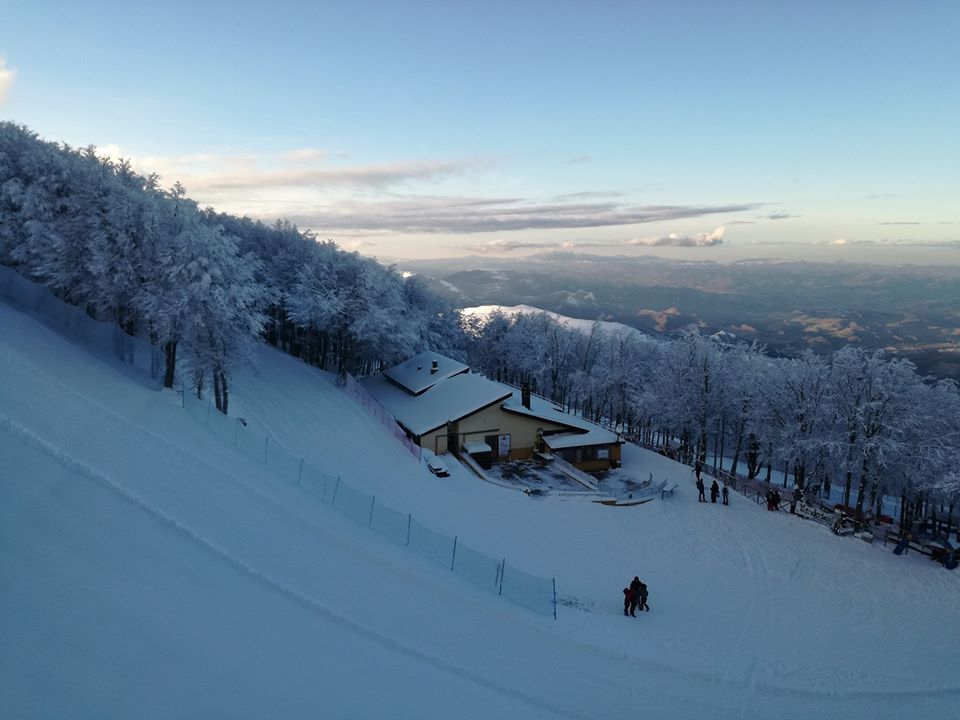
{"points": [[635, 587], [700, 490], [714, 491], [726, 495], [628, 599], [643, 596]]}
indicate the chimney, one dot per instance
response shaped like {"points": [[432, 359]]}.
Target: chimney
{"points": [[434, 367], [525, 396]]}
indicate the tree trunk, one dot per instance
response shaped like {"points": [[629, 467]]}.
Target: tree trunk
{"points": [[224, 391], [170, 363]]}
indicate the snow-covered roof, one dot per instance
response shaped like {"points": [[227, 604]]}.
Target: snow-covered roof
{"points": [[585, 432], [477, 447], [449, 399], [597, 436], [416, 375], [423, 402]]}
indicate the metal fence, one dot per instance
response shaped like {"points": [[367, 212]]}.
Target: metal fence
{"points": [[102, 338], [360, 394], [400, 528], [496, 576]]}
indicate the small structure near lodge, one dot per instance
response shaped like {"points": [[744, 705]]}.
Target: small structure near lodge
{"points": [[443, 406]]}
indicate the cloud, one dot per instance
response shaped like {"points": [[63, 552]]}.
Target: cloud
{"points": [[503, 245], [215, 178], [6, 79], [674, 240], [659, 317], [894, 242], [834, 327], [377, 175], [578, 160], [432, 214], [587, 195], [899, 222], [781, 215]]}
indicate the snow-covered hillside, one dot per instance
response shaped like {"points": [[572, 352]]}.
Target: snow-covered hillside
{"points": [[584, 326], [150, 570]]}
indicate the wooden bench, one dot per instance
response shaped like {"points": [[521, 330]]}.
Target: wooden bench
{"points": [[668, 491]]}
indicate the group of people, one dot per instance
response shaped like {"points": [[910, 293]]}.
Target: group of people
{"points": [[715, 492], [773, 500], [635, 596]]}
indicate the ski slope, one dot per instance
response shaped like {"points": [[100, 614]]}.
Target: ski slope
{"points": [[150, 570]]}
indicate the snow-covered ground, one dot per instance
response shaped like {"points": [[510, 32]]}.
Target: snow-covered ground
{"points": [[584, 326], [150, 570]]}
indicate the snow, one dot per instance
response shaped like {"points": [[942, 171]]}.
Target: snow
{"points": [[446, 401], [595, 436], [544, 409], [584, 326], [150, 570], [417, 374]]}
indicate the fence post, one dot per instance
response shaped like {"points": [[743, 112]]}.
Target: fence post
{"points": [[503, 568], [335, 488], [554, 598], [266, 447], [453, 560], [373, 501], [409, 520], [300, 473]]}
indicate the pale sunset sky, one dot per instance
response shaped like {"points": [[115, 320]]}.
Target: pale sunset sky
{"points": [[703, 130]]}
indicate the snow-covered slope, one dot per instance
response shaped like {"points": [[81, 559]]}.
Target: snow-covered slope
{"points": [[147, 569], [584, 326]]}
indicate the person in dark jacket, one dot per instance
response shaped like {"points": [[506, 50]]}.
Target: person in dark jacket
{"points": [[643, 597], [635, 594], [700, 490], [726, 495], [714, 491], [628, 599]]}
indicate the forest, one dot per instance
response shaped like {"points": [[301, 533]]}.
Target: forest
{"points": [[860, 420], [202, 286], [205, 287]]}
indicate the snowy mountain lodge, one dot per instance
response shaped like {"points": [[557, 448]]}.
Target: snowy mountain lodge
{"points": [[445, 407]]}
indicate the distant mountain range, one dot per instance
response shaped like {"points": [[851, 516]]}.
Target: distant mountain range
{"points": [[911, 311]]}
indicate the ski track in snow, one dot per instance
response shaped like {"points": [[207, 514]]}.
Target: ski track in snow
{"points": [[255, 575]]}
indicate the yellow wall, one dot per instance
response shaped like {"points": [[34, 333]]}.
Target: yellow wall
{"points": [[493, 421], [522, 430]]}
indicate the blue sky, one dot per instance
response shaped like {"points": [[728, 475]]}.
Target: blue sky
{"points": [[712, 130]]}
